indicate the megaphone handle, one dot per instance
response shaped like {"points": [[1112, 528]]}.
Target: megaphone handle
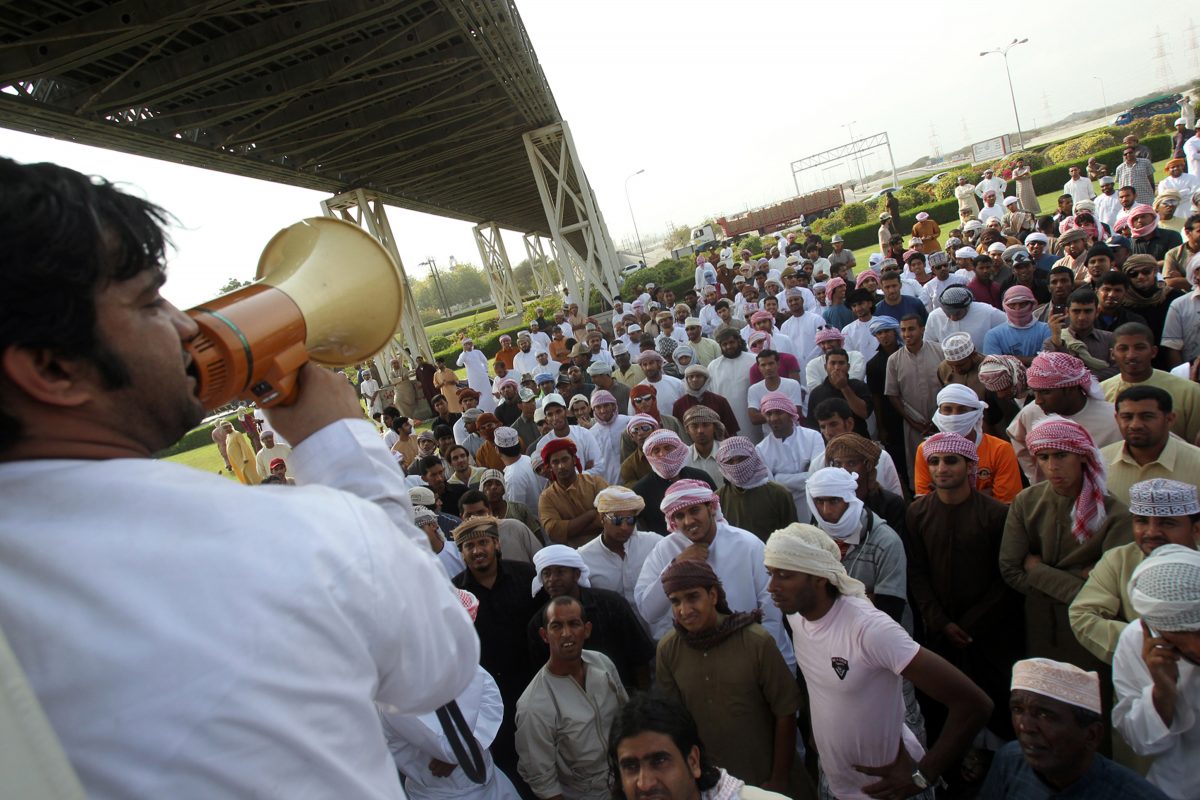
{"points": [[278, 386]]}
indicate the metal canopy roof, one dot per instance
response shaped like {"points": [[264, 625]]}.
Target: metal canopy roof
{"points": [[422, 101]]}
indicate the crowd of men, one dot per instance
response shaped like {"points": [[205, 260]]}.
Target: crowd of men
{"points": [[962, 456], [935, 533]]}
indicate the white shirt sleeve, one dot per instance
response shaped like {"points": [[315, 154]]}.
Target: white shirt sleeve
{"points": [[1134, 714]]}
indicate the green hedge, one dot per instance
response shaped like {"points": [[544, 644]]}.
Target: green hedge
{"points": [[1045, 180]]}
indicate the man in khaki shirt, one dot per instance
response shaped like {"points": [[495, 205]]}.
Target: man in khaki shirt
{"points": [[1147, 450], [1164, 512], [567, 506]]}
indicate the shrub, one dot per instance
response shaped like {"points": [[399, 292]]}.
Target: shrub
{"points": [[1033, 159], [855, 213], [440, 343], [944, 189], [752, 242], [1081, 147]]}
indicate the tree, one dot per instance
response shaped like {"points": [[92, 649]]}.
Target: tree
{"points": [[678, 237], [231, 285]]}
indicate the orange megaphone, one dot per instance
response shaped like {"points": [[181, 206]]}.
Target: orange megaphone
{"points": [[325, 290]]}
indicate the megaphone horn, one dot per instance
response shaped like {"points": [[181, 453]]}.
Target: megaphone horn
{"points": [[325, 291]]}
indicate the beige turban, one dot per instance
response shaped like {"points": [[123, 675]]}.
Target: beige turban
{"points": [[618, 498], [1060, 681], [476, 527], [808, 549]]}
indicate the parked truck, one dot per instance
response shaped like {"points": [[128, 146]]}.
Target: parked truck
{"points": [[769, 219]]}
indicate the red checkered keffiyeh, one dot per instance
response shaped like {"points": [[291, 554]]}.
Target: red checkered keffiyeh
{"points": [[686, 493], [665, 466], [1056, 371], [747, 474], [1000, 372], [1056, 433], [777, 401], [950, 443]]}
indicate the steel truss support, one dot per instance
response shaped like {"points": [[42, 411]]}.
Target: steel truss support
{"points": [[586, 257], [543, 278], [843, 152], [505, 293], [365, 209]]}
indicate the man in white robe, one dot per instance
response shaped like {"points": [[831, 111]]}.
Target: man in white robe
{"points": [[730, 377], [788, 449], [607, 430], [589, 452], [477, 374], [667, 388], [181, 601], [990, 183], [419, 745]]}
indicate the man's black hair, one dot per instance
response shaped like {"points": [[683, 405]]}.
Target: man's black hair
{"points": [[67, 237], [1114, 277], [1084, 296], [471, 496], [654, 712], [1135, 329], [1139, 392], [427, 463], [833, 407]]}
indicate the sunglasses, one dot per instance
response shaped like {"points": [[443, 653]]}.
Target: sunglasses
{"points": [[1138, 273], [620, 519], [644, 399]]}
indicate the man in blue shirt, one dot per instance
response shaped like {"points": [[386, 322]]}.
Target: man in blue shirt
{"points": [[897, 305], [1056, 714], [1020, 337]]}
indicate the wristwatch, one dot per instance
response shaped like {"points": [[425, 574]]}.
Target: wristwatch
{"points": [[919, 780]]}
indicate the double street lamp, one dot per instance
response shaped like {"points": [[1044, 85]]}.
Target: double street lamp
{"points": [[1003, 51]]}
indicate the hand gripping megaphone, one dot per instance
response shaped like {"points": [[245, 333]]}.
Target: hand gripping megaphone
{"points": [[325, 291]]}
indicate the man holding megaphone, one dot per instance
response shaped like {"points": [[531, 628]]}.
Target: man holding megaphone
{"points": [[187, 636]]}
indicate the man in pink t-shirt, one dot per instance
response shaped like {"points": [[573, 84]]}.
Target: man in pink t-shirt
{"points": [[854, 657]]}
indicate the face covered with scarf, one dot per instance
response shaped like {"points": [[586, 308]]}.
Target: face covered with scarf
{"points": [[1048, 441], [959, 410], [1018, 306], [832, 495], [665, 452], [740, 463], [1143, 220]]}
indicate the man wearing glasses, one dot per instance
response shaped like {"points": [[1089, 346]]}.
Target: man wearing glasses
{"points": [[614, 558]]}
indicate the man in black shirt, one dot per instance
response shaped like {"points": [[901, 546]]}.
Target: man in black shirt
{"points": [[666, 454], [433, 472], [503, 589], [889, 423], [616, 631], [839, 384]]}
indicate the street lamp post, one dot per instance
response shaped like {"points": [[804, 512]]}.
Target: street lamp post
{"points": [[1103, 94], [628, 202], [1004, 53]]}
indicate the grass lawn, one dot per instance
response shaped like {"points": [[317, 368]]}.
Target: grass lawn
{"points": [[1048, 202], [206, 459]]}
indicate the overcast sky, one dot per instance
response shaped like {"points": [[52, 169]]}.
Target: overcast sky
{"points": [[715, 100]]}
